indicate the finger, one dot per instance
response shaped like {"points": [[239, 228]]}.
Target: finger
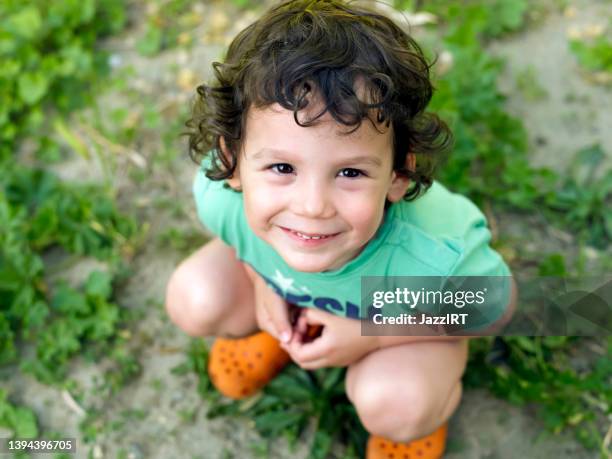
{"points": [[293, 348], [279, 314], [292, 344], [301, 331], [302, 325], [299, 324], [296, 337], [308, 327], [314, 364], [314, 350]]}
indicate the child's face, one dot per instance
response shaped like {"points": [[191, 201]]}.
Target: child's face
{"points": [[316, 197]]}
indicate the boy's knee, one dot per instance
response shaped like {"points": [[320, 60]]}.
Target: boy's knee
{"points": [[189, 305], [399, 415]]}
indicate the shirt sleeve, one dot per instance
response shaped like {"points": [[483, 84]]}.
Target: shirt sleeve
{"points": [[219, 209], [482, 269], [478, 258]]}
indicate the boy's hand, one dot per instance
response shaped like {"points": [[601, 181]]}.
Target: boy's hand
{"points": [[271, 310], [339, 345]]}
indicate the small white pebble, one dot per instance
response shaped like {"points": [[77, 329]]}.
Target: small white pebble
{"points": [[97, 452], [115, 60]]}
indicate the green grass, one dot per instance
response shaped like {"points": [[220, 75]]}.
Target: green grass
{"points": [[595, 54], [292, 402], [520, 370]]}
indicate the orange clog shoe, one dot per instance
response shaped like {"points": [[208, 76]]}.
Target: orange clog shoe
{"points": [[240, 367], [429, 447]]}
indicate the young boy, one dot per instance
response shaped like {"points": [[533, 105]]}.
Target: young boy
{"points": [[317, 163]]}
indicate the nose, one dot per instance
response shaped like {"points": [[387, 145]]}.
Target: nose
{"points": [[313, 199]]}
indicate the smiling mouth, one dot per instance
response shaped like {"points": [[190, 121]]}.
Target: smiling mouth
{"points": [[309, 236]]}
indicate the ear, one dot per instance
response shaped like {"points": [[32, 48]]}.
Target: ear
{"points": [[399, 184], [234, 180]]}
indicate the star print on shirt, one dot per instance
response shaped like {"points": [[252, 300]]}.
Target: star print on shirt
{"points": [[285, 283], [281, 285]]}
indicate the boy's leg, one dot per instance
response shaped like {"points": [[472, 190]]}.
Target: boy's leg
{"points": [[405, 392], [210, 293]]}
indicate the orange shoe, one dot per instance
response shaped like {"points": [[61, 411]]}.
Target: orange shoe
{"points": [[429, 447], [240, 367]]}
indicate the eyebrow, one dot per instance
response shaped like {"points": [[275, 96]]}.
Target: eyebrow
{"points": [[275, 152], [374, 160]]}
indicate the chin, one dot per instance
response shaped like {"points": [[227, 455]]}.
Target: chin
{"points": [[307, 264]]}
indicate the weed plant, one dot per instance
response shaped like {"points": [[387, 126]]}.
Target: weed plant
{"points": [[51, 65]]}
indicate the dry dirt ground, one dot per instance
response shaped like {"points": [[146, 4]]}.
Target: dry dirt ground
{"points": [[163, 416]]}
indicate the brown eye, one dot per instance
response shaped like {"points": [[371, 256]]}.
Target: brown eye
{"points": [[350, 173], [282, 168]]}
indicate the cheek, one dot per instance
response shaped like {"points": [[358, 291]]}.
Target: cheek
{"points": [[363, 215], [260, 205]]}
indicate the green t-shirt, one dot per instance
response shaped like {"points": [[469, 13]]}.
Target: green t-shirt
{"points": [[438, 234]]}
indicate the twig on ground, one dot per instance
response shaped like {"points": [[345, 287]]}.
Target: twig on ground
{"points": [[606, 442], [72, 404], [132, 155]]}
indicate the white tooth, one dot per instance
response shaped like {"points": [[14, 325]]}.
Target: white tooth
{"points": [[306, 237]]}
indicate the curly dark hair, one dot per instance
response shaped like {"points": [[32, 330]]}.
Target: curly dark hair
{"points": [[329, 44]]}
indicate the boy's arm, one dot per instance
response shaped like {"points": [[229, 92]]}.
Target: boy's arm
{"points": [[386, 341]]}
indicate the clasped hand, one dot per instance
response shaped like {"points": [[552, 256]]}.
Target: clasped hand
{"points": [[339, 344]]}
